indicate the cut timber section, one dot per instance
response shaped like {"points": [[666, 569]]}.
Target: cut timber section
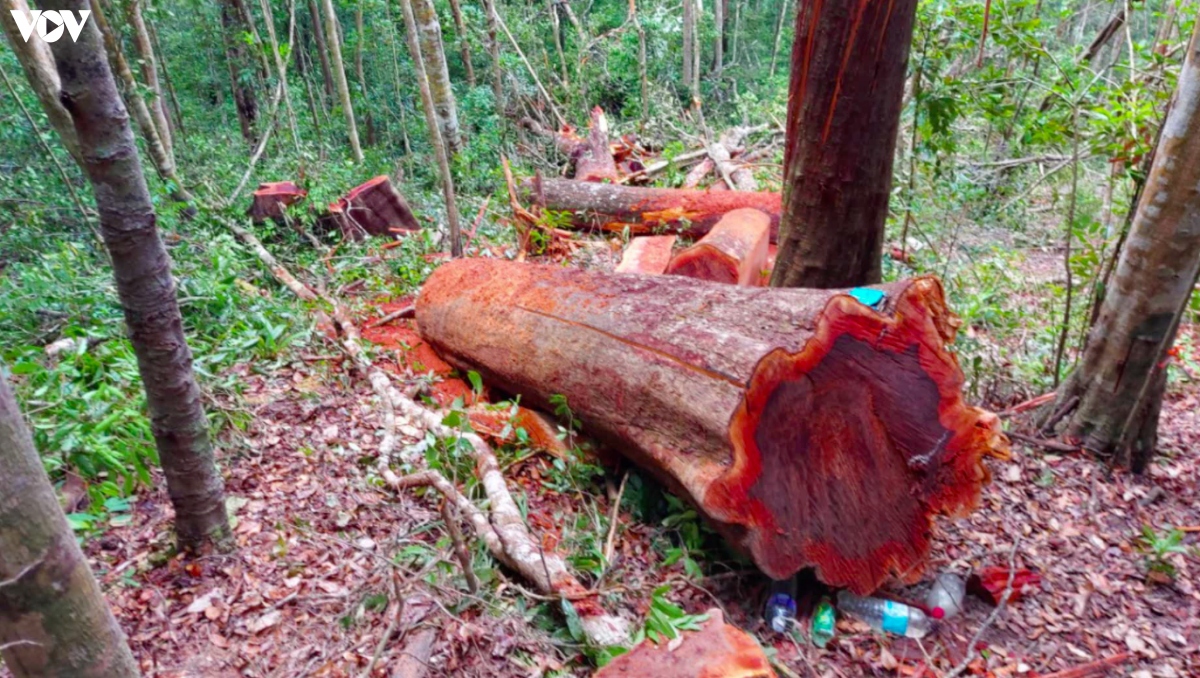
{"points": [[645, 211], [272, 198], [716, 650], [734, 251], [374, 208], [810, 429], [649, 254]]}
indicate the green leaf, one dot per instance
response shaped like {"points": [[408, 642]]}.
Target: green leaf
{"points": [[574, 623]]}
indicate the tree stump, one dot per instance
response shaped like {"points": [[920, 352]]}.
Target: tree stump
{"points": [[812, 430], [272, 198], [374, 208]]}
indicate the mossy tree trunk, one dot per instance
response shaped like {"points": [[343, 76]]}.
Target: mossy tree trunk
{"points": [[145, 287], [53, 618]]}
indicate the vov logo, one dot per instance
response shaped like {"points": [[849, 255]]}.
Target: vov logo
{"points": [[50, 23]]}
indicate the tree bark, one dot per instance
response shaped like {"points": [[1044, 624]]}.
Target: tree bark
{"points": [[322, 48], [433, 56], [145, 287], [53, 618], [689, 41], [339, 78], [440, 150], [719, 43], [166, 73], [1150, 288], [644, 211], [280, 64], [811, 429], [733, 252], [464, 47], [35, 59], [783, 13], [360, 72], [847, 84], [149, 63], [237, 60], [493, 45]]}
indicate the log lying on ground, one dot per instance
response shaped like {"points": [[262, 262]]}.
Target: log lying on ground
{"points": [[646, 210], [810, 429], [373, 208], [649, 254], [272, 198], [733, 252], [594, 157]]}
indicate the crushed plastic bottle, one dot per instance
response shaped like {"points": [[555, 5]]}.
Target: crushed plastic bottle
{"points": [[886, 615], [780, 610], [822, 627], [946, 595]]}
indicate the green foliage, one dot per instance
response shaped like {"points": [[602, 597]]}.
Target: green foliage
{"points": [[1158, 547]]}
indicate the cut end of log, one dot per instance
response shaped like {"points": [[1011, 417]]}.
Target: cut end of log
{"points": [[867, 416], [733, 252], [271, 198], [373, 208], [649, 254]]}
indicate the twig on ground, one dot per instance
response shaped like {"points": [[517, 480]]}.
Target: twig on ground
{"points": [[391, 627], [612, 521], [1031, 404], [1084, 670], [282, 274], [992, 616], [1051, 445], [406, 312], [460, 547]]}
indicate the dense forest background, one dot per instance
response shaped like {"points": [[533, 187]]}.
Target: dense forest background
{"points": [[1024, 139]]}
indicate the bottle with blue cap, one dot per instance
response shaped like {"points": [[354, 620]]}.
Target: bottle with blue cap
{"points": [[780, 610]]}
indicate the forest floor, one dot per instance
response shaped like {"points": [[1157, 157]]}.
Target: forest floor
{"points": [[327, 559]]}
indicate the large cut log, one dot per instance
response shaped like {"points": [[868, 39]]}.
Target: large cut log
{"points": [[649, 254], [811, 429], [646, 210], [733, 252], [374, 208]]}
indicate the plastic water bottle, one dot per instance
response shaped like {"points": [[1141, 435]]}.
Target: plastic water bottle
{"points": [[946, 595], [886, 615], [822, 629], [780, 610]]}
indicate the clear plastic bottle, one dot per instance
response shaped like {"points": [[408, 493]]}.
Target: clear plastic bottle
{"points": [[886, 615], [780, 610], [946, 595]]}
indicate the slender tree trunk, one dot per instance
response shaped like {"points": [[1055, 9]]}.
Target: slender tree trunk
{"points": [[844, 98], [464, 47], [55, 621], [238, 61], [493, 45], [1149, 290], [38, 64], [164, 162], [783, 13], [149, 64], [435, 135], [360, 73], [339, 78], [433, 56], [556, 36], [145, 287], [689, 41], [313, 108], [641, 33], [280, 66], [393, 34], [719, 43], [737, 30], [322, 48], [176, 109]]}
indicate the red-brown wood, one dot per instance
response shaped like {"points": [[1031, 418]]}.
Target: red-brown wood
{"points": [[594, 161], [810, 429], [374, 208], [649, 254], [716, 650], [734, 251], [614, 208], [271, 198]]}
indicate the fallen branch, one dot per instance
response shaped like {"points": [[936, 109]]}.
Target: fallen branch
{"points": [[1051, 445], [281, 274], [1091, 668], [406, 312]]}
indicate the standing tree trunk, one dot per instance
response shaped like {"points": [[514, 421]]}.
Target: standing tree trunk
{"points": [[435, 135], [54, 620], [280, 65], [360, 73], [322, 48], [1119, 378], [149, 63], [641, 33], [164, 161], [844, 98], [719, 43], [433, 56], [689, 41], [145, 287], [339, 77], [166, 73], [237, 59], [464, 48], [493, 45], [783, 12], [38, 65]]}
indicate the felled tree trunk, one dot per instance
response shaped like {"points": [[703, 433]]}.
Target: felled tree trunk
{"points": [[374, 208], [611, 207], [649, 254], [811, 430], [55, 621], [733, 252], [272, 198]]}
